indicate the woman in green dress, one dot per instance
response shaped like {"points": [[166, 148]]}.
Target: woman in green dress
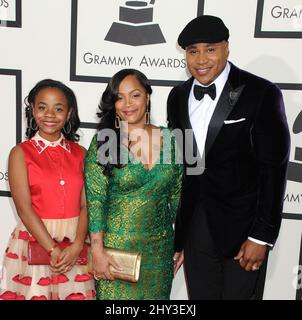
{"points": [[132, 190]]}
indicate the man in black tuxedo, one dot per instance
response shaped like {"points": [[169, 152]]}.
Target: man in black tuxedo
{"points": [[230, 212]]}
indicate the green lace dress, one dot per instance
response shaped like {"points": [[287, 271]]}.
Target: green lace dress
{"points": [[135, 208]]}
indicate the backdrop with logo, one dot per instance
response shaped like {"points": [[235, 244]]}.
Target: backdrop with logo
{"points": [[83, 43]]}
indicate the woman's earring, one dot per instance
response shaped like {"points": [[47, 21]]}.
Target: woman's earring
{"points": [[67, 127], [117, 122], [33, 122], [147, 117]]}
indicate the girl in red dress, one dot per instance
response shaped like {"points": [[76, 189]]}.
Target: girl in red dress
{"points": [[46, 182]]}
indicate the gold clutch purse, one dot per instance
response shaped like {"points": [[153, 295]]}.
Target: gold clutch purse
{"points": [[130, 263]]}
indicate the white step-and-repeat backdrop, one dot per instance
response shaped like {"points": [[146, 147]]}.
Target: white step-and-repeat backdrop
{"points": [[84, 42]]}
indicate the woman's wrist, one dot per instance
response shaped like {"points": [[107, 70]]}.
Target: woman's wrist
{"points": [[50, 251], [97, 249], [79, 244]]}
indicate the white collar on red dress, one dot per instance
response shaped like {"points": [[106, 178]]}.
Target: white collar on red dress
{"points": [[41, 144]]}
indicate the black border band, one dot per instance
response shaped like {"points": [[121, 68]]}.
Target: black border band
{"points": [[73, 52], [271, 34], [18, 75], [18, 22]]}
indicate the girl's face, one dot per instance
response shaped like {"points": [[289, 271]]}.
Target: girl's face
{"points": [[51, 111], [132, 101]]}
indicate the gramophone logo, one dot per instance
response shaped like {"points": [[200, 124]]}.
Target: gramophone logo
{"points": [[135, 26]]}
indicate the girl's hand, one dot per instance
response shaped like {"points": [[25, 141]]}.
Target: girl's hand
{"points": [[67, 258]]}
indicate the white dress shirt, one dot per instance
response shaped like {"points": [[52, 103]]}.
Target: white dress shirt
{"points": [[201, 111]]}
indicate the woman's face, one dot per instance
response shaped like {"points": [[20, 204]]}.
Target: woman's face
{"points": [[51, 112], [132, 101]]}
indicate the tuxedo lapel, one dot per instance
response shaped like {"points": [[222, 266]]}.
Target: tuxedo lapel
{"points": [[184, 115], [183, 106], [228, 99]]}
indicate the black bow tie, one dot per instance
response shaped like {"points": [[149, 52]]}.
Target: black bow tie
{"points": [[200, 91]]}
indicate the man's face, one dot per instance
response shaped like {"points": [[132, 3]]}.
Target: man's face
{"points": [[205, 61]]}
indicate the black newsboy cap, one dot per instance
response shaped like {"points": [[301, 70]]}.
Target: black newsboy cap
{"points": [[205, 29]]}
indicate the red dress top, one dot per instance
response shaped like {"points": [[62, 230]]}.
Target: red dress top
{"points": [[55, 176]]}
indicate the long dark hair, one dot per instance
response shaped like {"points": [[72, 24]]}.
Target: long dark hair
{"points": [[72, 105], [107, 112]]}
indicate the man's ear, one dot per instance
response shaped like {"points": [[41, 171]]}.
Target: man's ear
{"points": [[227, 49]]}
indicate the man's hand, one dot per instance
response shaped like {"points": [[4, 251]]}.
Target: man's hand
{"points": [[178, 261], [251, 255]]}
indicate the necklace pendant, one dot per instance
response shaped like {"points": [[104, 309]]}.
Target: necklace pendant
{"points": [[62, 182]]}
